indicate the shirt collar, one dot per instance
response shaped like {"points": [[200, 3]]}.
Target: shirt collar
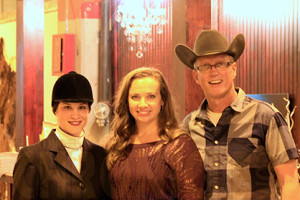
{"points": [[70, 141], [237, 105]]}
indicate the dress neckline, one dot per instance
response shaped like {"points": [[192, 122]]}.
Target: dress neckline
{"points": [[146, 143]]}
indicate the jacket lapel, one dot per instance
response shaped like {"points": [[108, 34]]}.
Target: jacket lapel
{"points": [[62, 157], [86, 159]]}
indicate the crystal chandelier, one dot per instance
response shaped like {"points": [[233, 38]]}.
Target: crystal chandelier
{"points": [[137, 18]]}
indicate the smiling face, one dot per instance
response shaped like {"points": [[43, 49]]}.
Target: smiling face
{"points": [[145, 101], [72, 117], [216, 84]]}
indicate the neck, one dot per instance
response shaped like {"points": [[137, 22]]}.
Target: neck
{"points": [[145, 133], [217, 105]]}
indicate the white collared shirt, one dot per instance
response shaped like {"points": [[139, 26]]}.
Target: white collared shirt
{"points": [[73, 145]]}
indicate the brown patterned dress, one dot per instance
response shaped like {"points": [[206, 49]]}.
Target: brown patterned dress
{"points": [[159, 170]]}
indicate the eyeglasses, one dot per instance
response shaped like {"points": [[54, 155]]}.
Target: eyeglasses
{"points": [[219, 66]]}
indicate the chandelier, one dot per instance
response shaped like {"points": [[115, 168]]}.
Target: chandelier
{"points": [[137, 18]]}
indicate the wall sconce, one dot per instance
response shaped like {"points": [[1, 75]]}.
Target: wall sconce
{"points": [[137, 18], [101, 112]]}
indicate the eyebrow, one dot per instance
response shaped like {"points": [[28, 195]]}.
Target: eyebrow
{"points": [[134, 93]]}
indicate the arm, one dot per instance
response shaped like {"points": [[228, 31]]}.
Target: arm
{"points": [[25, 177], [283, 156], [288, 179], [188, 167]]}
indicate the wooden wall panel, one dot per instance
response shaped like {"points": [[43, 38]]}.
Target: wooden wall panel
{"points": [[271, 60], [158, 54], [30, 71], [198, 18]]}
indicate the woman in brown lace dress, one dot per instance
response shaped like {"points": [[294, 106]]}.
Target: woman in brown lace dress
{"points": [[149, 157]]}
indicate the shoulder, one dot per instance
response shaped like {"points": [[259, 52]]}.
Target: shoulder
{"points": [[261, 106], [43, 144], [94, 147], [183, 137], [244, 103], [264, 110], [192, 114], [190, 117], [187, 118], [28, 155], [180, 149], [38, 151], [181, 142]]}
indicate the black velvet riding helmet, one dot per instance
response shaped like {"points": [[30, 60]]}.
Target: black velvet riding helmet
{"points": [[71, 87]]}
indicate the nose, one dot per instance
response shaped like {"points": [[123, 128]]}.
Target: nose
{"points": [[213, 66], [142, 102], [75, 113], [214, 70]]}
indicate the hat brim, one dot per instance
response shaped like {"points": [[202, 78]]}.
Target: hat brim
{"points": [[237, 46], [74, 100], [188, 56]]}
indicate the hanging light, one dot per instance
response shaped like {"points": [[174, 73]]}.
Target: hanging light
{"points": [[137, 18]]}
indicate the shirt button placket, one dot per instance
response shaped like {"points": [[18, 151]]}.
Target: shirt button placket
{"points": [[216, 164]]}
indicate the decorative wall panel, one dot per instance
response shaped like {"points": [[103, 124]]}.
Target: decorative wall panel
{"points": [[271, 60], [158, 53]]}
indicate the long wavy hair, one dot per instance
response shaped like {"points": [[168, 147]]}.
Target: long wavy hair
{"points": [[123, 124]]}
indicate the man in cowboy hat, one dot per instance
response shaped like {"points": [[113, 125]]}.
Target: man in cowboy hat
{"points": [[246, 145]]}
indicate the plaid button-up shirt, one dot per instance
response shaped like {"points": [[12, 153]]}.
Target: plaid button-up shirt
{"points": [[239, 153]]}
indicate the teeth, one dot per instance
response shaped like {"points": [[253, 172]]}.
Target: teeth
{"points": [[75, 123], [214, 82], [143, 112]]}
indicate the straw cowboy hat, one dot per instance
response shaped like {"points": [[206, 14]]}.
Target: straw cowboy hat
{"points": [[210, 42]]}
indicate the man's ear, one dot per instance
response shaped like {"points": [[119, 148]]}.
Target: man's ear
{"points": [[195, 76], [234, 68]]}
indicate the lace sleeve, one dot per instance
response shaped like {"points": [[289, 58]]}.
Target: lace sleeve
{"points": [[183, 157]]}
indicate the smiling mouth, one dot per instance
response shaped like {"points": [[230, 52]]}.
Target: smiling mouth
{"points": [[215, 82], [75, 123], [143, 113]]}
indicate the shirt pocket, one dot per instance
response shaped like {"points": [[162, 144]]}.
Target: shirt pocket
{"points": [[242, 151]]}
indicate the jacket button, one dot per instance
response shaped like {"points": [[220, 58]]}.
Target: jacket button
{"points": [[81, 185]]}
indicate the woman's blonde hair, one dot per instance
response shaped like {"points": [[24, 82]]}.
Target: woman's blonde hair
{"points": [[123, 124]]}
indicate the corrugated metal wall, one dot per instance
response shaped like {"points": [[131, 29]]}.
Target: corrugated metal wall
{"points": [[271, 60]]}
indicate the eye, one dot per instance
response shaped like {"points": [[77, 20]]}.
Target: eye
{"points": [[218, 65], [67, 107], [222, 65], [135, 97], [205, 67], [83, 107], [151, 96]]}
